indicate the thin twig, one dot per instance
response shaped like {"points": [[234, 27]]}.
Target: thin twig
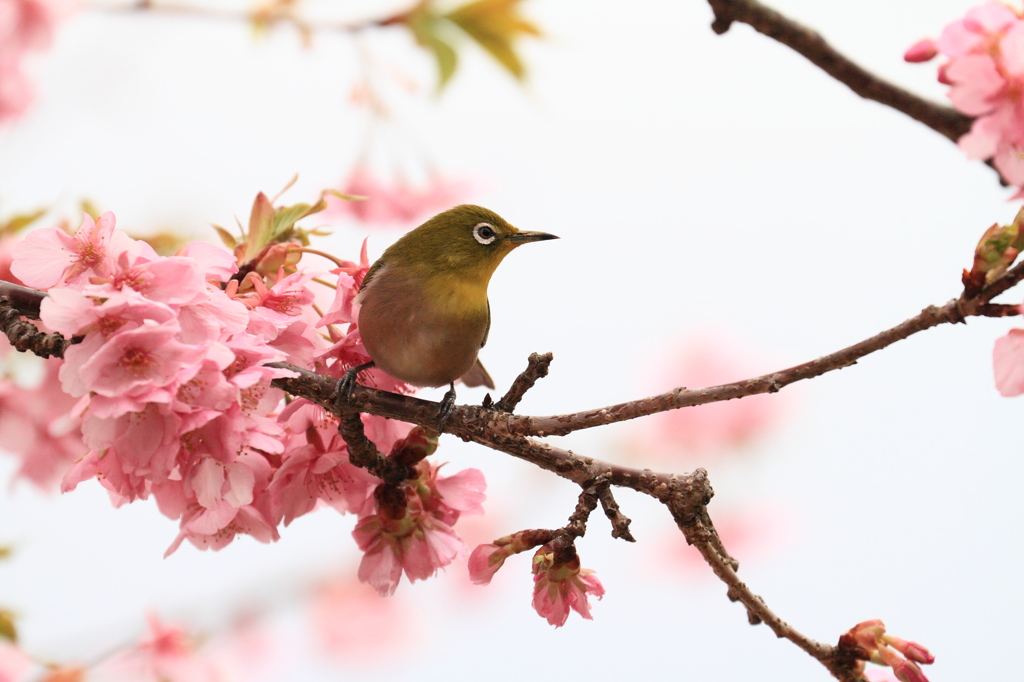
{"points": [[620, 522], [945, 120], [954, 311]]}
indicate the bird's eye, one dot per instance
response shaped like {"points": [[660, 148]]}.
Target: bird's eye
{"points": [[484, 233]]}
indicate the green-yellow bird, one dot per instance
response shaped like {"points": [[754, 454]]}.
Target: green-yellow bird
{"points": [[425, 313]]}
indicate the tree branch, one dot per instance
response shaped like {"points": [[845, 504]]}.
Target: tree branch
{"points": [[685, 495], [945, 120], [955, 311]]}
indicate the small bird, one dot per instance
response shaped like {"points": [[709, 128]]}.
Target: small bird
{"points": [[424, 312]]}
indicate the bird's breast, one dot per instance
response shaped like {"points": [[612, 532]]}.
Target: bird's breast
{"points": [[424, 331]]}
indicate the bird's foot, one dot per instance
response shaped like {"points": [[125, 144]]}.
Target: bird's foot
{"points": [[445, 411], [347, 383]]}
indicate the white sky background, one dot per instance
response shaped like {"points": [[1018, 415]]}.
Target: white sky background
{"points": [[697, 182]]}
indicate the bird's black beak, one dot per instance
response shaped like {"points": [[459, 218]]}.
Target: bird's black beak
{"points": [[522, 237]]}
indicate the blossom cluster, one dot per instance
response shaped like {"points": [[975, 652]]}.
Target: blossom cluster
{"points": [[985, 72], [167, 388], [169, 383]]}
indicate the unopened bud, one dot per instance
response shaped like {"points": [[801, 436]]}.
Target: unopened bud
{"points": [[912, 650], [921, 51]]}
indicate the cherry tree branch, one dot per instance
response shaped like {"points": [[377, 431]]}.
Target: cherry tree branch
{"points": [[686, 496], [955, 311], [765, 20]]}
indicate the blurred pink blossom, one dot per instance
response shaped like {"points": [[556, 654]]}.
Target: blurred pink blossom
{"points": [[693, 433], [25, 25], [15, 665], [38, 427], [748, 533], [167, 653], [1008, 363], [353, 622], [396, 202]]}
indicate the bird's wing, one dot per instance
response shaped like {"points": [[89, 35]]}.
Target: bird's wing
{"points": [[477, 376], [374, 269], [487, 327]]}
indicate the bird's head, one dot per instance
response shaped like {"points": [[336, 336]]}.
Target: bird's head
{"points": [[469, 239]]}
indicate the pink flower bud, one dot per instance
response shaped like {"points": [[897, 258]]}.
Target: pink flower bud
{"points": [[485, 561], [908, 671], [912, 650], [921, 51]]}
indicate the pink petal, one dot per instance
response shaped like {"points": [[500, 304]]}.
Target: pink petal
{"points": [[1008, 363]]}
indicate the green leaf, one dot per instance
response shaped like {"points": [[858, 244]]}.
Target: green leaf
{"points": [[446, 58], [426, 26], [7, 629], [495, 25], [225, 236], [21, 221]]}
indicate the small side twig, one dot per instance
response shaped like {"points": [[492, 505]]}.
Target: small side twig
{"points": [[620, 522], [536, 368]]}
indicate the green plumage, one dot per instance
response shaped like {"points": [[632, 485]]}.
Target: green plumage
{"points": [[425, 313]]}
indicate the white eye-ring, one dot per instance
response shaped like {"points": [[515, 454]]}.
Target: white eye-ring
{"points": [[484, 233]]}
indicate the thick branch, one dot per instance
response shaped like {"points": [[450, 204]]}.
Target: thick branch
{"points": [[942, 119], [685, 495]]}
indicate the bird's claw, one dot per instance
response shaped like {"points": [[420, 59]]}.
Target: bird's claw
{"points": [[346, 384], [445, 411]]}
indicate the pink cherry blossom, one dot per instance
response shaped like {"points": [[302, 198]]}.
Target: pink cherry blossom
{"points": [[175, 401], [315, 467], [350, 278], [36, 426], [395, 202], [50, 256], [985, 72], [485, 561], [559, 586], [401, 536], [1008, 363]]}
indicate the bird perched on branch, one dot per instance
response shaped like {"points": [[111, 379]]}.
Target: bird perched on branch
{"points": [[425, 313]]}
